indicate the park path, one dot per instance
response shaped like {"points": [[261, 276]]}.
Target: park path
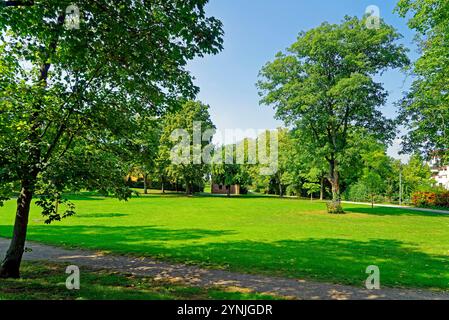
{"points": [[400, 207], [195, 276]]}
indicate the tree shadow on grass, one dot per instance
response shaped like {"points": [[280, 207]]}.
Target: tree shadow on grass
{"points": [[84, 197], [385, 211], [328, 259], [340, 260], [129, 238], [99, 215]]}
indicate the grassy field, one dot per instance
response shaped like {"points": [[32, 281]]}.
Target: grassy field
{"points": [[286, 237], [46, 281]]}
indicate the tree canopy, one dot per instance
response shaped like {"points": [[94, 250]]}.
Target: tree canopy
{"points": [[425, 109], [71, 98], [324, 86]]}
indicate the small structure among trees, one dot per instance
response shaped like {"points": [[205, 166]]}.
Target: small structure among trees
{"points": [[224, 189]]}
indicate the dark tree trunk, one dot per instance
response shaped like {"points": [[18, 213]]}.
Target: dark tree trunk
{"points": [[281, 191], [228, 191], [163, 187], [10, 267], [322, 189], [145, 183]]}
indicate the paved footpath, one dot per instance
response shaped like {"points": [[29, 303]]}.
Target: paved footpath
{"points": [[195, 276], [399, 207]]}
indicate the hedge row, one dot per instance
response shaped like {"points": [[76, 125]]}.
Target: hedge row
{"points": [[431, 199]]}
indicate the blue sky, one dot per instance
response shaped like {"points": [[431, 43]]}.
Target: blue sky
{"points": [[255, 30]]}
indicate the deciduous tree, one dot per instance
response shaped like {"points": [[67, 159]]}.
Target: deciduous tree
{"points": [[325, 86], [70, 97], [425, 109]]}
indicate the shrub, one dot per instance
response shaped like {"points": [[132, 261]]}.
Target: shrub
{"points": [[431, 199], [334, 207], [292, 190], [358, 192]]}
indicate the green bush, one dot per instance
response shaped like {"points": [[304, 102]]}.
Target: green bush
{"points": [[358, 192], [292, 191], [334, 207]]}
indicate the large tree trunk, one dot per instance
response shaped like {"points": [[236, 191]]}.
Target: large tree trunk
{"points": [[322, 189], [188, 188], [145, 183], [335, 206], [228, 191], [334, 179], [10, 267]]}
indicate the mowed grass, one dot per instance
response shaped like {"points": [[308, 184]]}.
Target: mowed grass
{"points": [[283, 237], [46, 281]]}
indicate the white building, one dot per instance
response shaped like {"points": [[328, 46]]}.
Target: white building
{"points": [[440, 172]]}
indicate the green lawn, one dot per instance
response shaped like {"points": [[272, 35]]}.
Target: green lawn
{"points": [[46, 281], [287, 237]]}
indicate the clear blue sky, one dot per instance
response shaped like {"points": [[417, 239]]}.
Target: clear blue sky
{"points": [[255, 30]]}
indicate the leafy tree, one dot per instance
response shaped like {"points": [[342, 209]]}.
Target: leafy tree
{"points": [[312, 185], [324, 85], [70, 98], [226, 172], [425, 109], [286, 160], [191, 169], [306, 165], [416, 175], [374, 184], [145, 146], [161, 166]]}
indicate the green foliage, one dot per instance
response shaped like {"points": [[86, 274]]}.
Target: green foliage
{"points": [[324, 86], [226, 171], [334, 207], [425, 109], [73, 101], [193, 170], [312, 177], [416, 175], [358, 192], [50, 205], [311, 188], [293, 190]]}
